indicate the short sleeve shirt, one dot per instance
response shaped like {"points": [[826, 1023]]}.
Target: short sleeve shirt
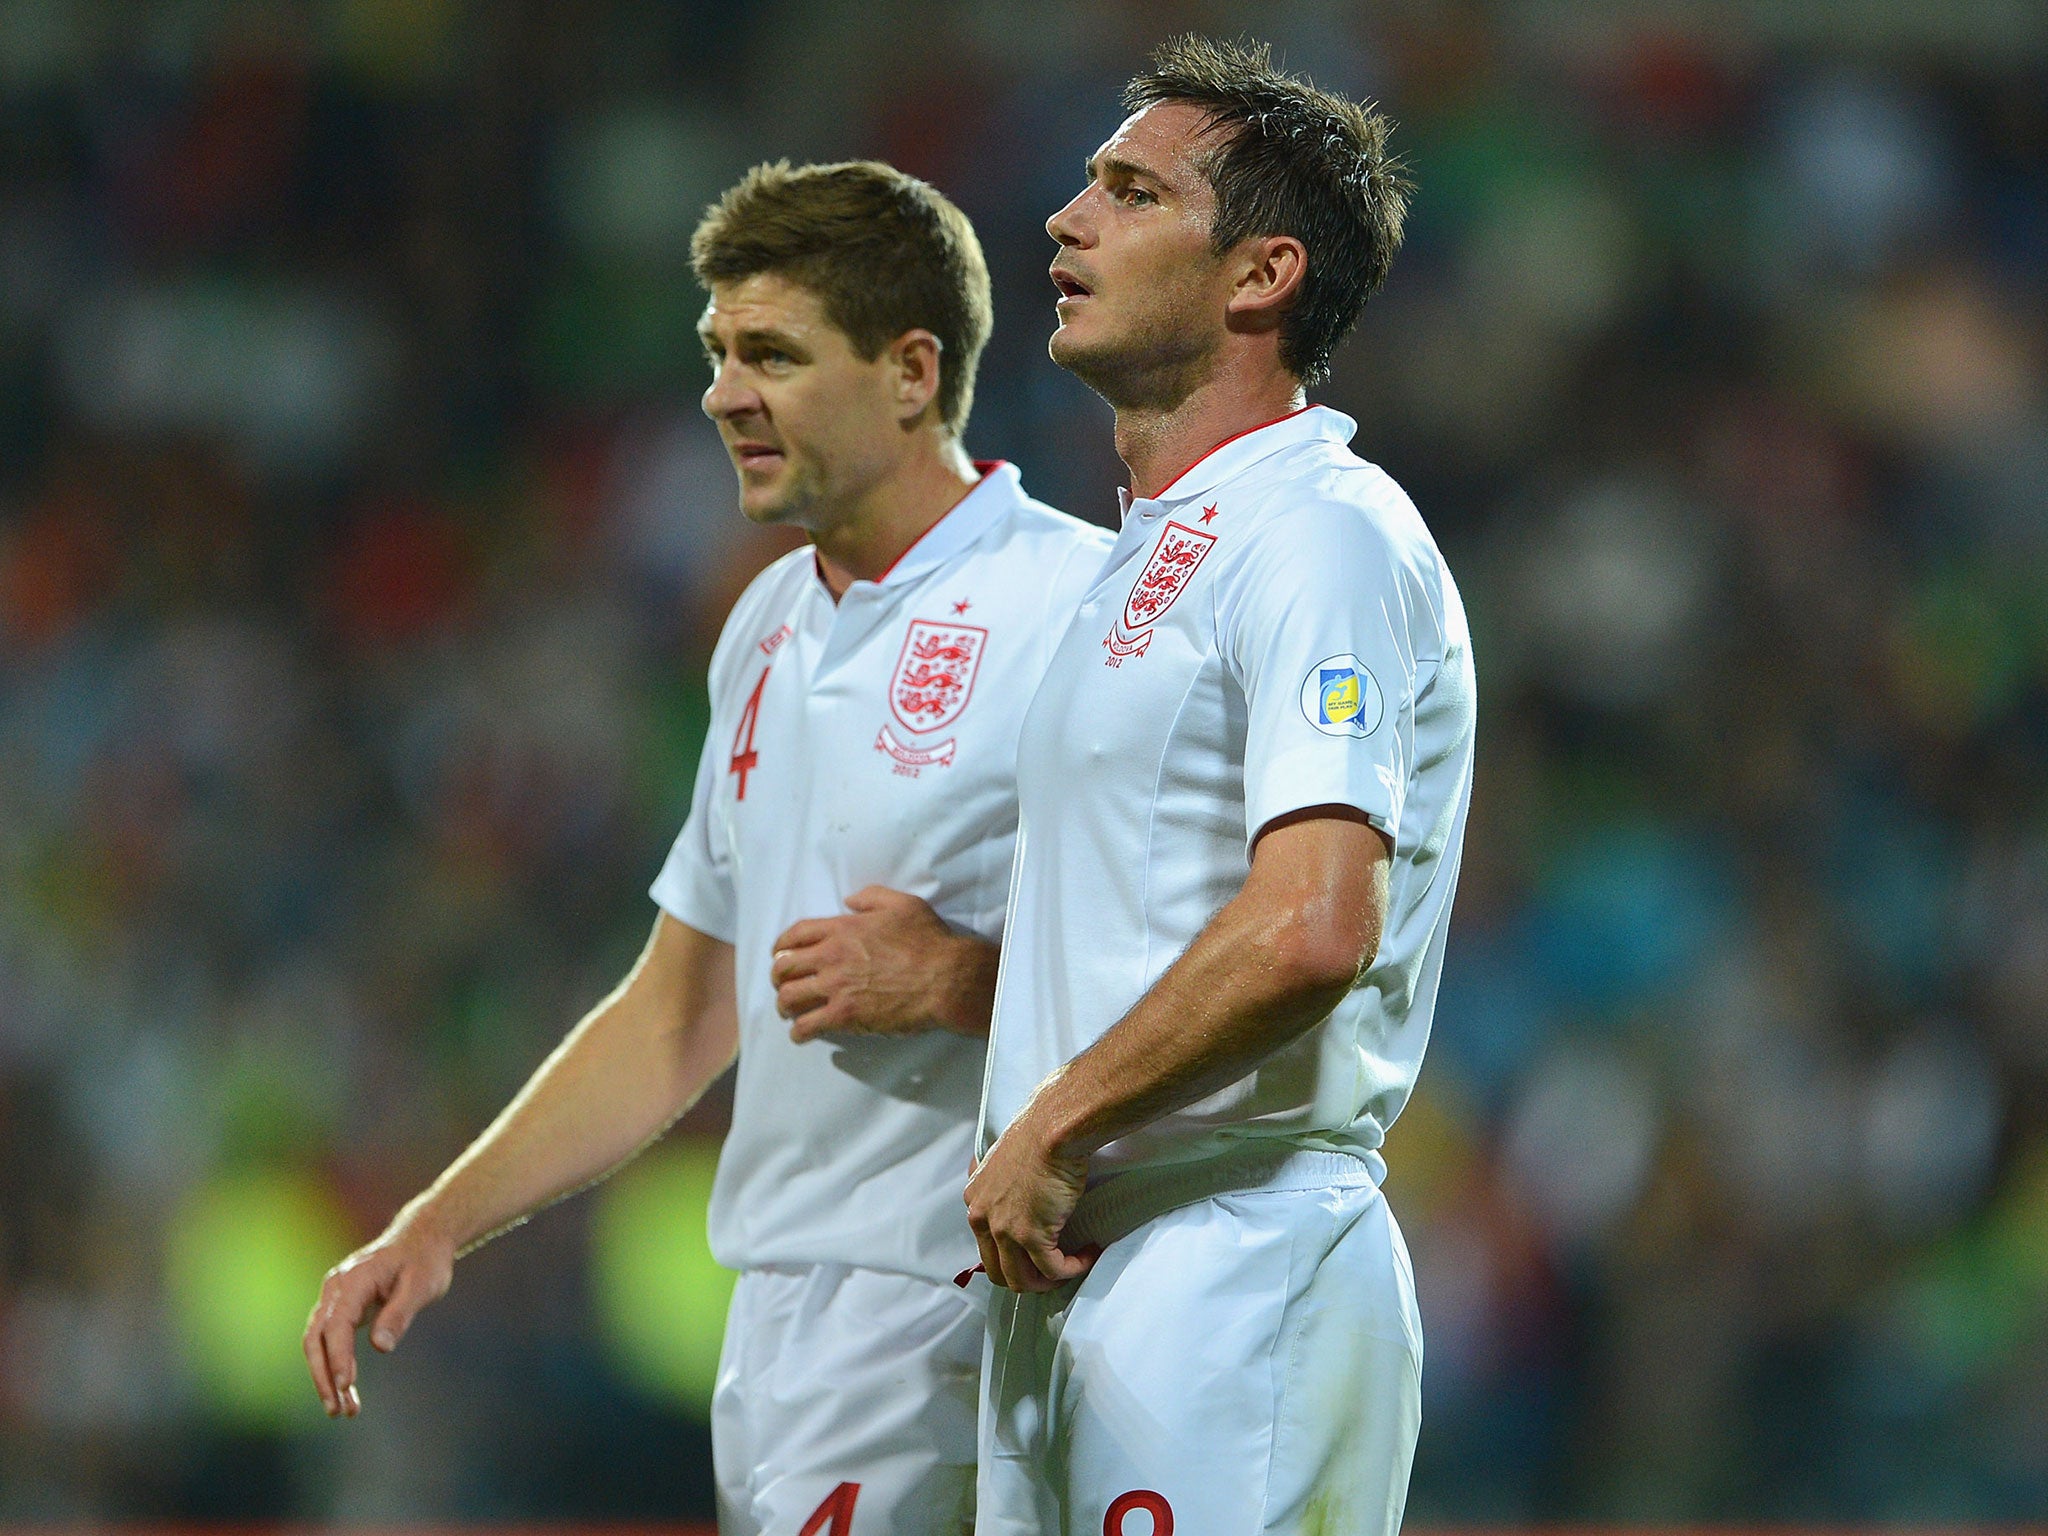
{"points": [[1275, 631], [868, 742]]}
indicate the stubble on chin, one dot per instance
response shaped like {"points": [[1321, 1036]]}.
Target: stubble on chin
{"points": [[1154, 367], [789, 507]]}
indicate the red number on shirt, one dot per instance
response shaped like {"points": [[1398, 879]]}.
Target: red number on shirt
{"points": [[744, 757], [1138, 1498], [838, 1506]]}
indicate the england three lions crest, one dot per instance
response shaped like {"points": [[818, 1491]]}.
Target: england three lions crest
{"points": [[929, 690], [1175, 559]]}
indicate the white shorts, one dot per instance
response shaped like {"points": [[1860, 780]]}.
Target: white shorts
{"points": [[845, 1405], [1248, 1363]]}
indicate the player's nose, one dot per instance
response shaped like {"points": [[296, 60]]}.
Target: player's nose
{"points": [[727, 395], [1069, 226]]}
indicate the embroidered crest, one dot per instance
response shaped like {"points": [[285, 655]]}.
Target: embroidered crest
{"points": [[933, 681], [1175, 559], [935, 674]]}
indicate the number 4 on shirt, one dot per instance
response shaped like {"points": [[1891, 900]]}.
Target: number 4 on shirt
{"points": [[835, 1516], [744, 757], [1152, 1503]]}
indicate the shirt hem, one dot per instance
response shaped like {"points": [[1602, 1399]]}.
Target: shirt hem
{"points": [[681, 910], [1124, 1202]]}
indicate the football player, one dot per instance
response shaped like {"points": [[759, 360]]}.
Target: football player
{"points": [[831, 908], [1242, 785]]}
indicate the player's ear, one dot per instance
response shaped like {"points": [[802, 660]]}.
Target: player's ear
{"points": [[1270, 269], [915, 360]]}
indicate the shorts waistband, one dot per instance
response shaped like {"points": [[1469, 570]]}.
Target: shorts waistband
{"points": [[1123, 1203]]}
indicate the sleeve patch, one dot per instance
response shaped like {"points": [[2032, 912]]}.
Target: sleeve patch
{"points": [[1339, 697]]}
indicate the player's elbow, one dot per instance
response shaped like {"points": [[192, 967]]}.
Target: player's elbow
{"points": [[1317, 959]]}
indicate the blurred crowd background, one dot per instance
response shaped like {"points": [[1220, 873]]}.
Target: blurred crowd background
{"points": [[361, 546]]}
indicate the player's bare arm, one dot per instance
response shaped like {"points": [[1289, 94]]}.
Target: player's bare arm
{"points": [[634, 1063], [1279, 956], [890, 966]]}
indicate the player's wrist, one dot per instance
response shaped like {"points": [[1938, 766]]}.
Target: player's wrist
{"points": [[966, 992], [425, 1226], [1058, 1129]]}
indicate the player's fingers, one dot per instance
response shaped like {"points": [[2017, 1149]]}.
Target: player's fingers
{"points": [[341, 1361], [346, 1403], [992, 1256], [1019, 1268], [1011, 1264], [315, 1346], [810, 1023], [349, 1291], [809, 931], [991, 1260], [337, 1342], [316, 1363], [789, 964], [1056, 1264], [800, 996]]}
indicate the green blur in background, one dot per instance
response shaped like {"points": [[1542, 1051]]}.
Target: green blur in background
{"points": [[661, 1298], [362, 546]]}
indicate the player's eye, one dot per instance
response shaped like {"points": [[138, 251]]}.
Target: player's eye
{"points": [[1135, 197]]}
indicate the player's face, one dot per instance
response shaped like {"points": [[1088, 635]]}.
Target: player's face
{"points": [[1142, 293], [810, 424]]}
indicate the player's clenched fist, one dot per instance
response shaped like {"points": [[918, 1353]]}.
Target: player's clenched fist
{"points": [[1018, 1202], [391, 1278], [889, 967]]}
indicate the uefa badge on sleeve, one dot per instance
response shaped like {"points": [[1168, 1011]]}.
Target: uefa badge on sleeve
{"points": [[1340, 698]]}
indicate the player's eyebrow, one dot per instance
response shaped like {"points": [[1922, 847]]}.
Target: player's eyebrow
{"points": [[1096, 166], [755, 336], [768, 336]]}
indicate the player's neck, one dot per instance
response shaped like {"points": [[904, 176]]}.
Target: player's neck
{"points": [[894, 513], [1159, 443]]}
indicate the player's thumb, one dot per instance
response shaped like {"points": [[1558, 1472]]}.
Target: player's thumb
{"points": [[397, 1313], [871, 898]]}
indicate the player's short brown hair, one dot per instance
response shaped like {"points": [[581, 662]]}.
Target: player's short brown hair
{"points": [[884, 252], [1291, 160]]}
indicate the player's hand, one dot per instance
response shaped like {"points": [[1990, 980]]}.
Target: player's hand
{"points": [[390, 1280], [1018, 1202], [891, 966]]}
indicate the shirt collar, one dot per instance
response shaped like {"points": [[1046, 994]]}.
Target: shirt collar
{"points": [[1234, 455], [999, 489]]}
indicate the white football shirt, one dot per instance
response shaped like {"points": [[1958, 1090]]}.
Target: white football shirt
{"points": [[1275, 630], [868, 742]]}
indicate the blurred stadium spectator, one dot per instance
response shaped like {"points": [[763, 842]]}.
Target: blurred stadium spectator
{"points": [[360, 544]]}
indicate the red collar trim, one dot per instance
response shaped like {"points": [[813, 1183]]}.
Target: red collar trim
{"points": [[1247, 432], [987, 468]]}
